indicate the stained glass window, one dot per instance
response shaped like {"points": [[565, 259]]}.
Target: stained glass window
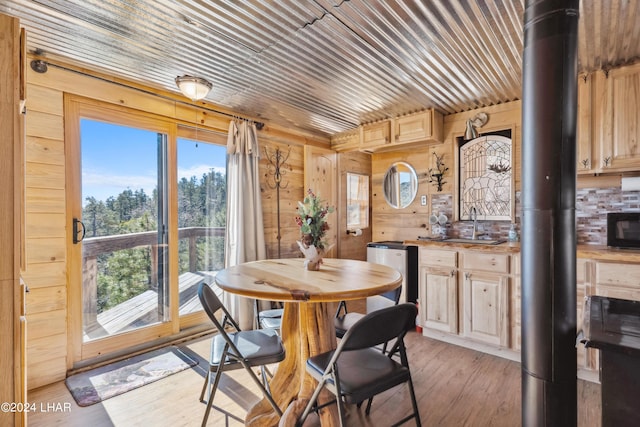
{"points": [[486, 178]]}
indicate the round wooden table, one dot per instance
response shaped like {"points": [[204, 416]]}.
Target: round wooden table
{"points": [[307, 324]]}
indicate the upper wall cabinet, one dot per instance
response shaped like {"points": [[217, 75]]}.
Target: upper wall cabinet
{"points": [[375, 136], [617, 118], [587, 163], [425, 126], [346, 141], [402, 132]]}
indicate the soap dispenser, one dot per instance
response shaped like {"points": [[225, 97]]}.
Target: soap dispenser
{"points": [[513, 234]]}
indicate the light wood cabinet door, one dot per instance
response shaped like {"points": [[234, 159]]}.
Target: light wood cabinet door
{"points": [[587, 357], [617, 107], [516, 303], [439, 302], [425, 126], [375, 135], [486, 307], [585, 149]]}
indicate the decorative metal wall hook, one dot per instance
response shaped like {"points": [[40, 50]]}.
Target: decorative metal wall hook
{"points": [[277, 169], [436, 175]]}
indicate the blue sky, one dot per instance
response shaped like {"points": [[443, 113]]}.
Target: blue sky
{"points": [[115, 158]]}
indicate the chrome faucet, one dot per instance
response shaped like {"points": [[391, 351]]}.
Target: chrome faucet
{"points": [[473, 215]]}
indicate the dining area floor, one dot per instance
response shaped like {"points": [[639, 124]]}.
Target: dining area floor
{"points": [[454, 386]]}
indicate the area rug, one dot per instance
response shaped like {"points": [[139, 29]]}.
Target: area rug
{"points": [[111, 380]]}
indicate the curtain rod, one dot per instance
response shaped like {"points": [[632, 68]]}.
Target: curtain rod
{"points": [[40, 66]]}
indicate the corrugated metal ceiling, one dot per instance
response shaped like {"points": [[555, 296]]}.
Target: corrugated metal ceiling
{"points": [[321, 66]]}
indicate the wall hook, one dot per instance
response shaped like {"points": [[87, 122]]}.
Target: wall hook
{"points": [[436, 175]]}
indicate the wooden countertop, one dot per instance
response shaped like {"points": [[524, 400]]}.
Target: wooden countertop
{"points": [[595, 252], [606, 253], [507, 247]]}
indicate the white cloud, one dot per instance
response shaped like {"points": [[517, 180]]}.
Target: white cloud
{"points": [[197, 171], [102, 186]]}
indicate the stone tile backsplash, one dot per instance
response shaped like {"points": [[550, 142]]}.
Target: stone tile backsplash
{"points": [[592, 206]]}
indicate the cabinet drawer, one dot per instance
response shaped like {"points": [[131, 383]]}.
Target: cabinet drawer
{"points": [[497, 263], [439, 258], [618, 274], [617, 280]]}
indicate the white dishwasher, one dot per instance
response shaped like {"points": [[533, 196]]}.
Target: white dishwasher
{"points": [[403, 258]]}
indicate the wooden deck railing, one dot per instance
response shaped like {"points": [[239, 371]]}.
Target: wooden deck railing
{"points": [[94, 246]]}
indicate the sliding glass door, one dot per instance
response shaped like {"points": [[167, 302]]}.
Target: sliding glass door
{"points": [[147, 216], [118, 200], [124, 250], [202, 211]]}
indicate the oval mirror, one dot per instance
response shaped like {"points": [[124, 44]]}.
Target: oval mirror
{"points": [[400, 185]]}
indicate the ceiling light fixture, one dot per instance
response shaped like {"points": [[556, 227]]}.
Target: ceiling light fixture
{"points": [[194, 88], [477, 121]]}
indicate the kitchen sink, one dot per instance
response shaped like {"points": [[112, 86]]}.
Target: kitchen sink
{"points": [[475, 241]]}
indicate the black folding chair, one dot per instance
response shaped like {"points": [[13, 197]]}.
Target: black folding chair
{"points": [[237, 349], [344, 320], [357, 371]]}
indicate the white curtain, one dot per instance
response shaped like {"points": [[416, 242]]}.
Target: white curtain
{"points": [[244, 239]]}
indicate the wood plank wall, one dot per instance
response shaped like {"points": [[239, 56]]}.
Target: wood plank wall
{"points": [[10, 219], [46, 217], [292, 190], [413, 221]]}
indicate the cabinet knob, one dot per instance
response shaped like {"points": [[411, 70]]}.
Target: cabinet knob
{"points": [[453, 273], [467, 275], [585, 163], [606, 161]]}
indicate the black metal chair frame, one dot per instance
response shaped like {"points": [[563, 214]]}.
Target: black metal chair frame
{"points": [[265, 348], [349, 373], [344, 320]]}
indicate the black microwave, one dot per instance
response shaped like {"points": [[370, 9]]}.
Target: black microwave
{"points": [[623, 229]]}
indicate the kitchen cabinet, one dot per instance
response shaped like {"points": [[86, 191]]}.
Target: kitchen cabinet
{"points": [[516, 303], [617, 280], [616, 106], [608, 279], [438, 290], [485, 284], [346, 141], [417, 129], [375, 136], [425, 126], [585, 149], [482, 310], [587, 358], [466, 294]]}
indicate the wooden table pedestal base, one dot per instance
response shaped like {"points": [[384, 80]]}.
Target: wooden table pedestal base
{"points": [[291, 387]]}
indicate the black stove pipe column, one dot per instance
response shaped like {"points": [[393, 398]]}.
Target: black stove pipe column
{"points": [[549, 98]]}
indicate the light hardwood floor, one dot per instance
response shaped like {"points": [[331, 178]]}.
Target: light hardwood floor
{"points": [[454, 386]]}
